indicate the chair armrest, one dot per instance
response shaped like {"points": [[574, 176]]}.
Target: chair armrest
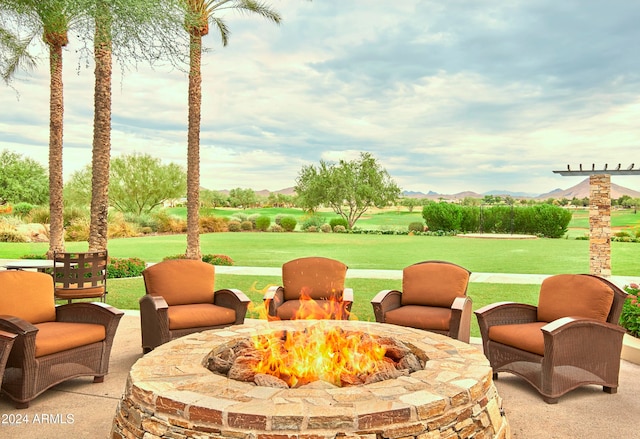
{"points": [[16, 325], [385, 301], [233, 299], [503, 313], [273, 298], [24, 345], [460, 324], [347, 295], [154, 321]]}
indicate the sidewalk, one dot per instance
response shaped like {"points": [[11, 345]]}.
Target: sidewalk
{"points": [[79, 409]]}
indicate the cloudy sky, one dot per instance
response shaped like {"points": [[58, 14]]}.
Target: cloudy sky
{"points": [[448, 96]]}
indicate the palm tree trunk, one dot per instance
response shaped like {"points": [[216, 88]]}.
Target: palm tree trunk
{"points": [[56, 116], [193, 148], [101, 131]]}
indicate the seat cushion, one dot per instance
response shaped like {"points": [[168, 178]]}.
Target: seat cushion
{"points": [[314, 277], [421, 317], [79, 293], [433, 284], [525, 336], [181, 281], [198, 315], [53, 337], [28, 295], [574, 295], [311, 309]]}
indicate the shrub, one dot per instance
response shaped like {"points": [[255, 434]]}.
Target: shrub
{"points": [[276, 228], [263, 222], [312, 229], [416, 227], [39, 215], [22, 209], [630, 316], [288, 223], [239, 216], [11, 236], [217, 259], [339, 229], [312, 221], [442, 216], [253, 217], [326, 228], [78, 230], [278, 218], [246, 226], [117, 227], [338, 222], [233, 226], [212, 224], [72, 213], [124, 267], [169, 223]]}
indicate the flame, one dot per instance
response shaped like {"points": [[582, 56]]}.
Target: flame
{"points": [[318, 351]]}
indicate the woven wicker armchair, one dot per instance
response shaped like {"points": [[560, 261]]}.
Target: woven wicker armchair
{"points": [[80, 275], [312, 287], [6, 342], [433, 298], [181, 300], [572, 338], [53, 343]]}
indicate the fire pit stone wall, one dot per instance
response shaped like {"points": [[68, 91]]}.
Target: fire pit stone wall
{"points": [[171, 394]]}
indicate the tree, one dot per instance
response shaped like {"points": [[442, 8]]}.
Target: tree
{"points": [[213, 199], [349, 188], [198, 15], [409, 203], [14, 54], [139, 183], [244, 198], [22, 180], [51, 19]]}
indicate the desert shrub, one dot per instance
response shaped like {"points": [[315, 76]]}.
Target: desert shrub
{"points": [[312, 229], [39, 215], [169, 223], [217, 259], [233, 226], [313, 221], [339, 229], [8, 235], [72, 213], [253, 217], [288, 223], [276, 228], [416, 227], [338, 222], [119, 228], [124, 267], [246, 226], [77, 230], [263, 222], [278, 218], [630, 316], [326, 228], [239, 216], [213, 224], [22, 209]]}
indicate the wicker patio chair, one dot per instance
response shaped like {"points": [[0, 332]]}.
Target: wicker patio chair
{"points": [[53, 343], [312, 287], [433, 298], [181, 300], [572, 338], [80, 275], [6, 342]]}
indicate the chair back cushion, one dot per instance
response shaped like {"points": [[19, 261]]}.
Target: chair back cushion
{"points": [[433, 284], [315, 277], [181, 281], [574, 295], [28, 295]]}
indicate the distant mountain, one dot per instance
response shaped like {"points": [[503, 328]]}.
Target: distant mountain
{"points": [[511, 194], [581, 190]]}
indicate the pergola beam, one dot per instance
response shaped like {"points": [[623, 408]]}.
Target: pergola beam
{"points": [[593, 171]]}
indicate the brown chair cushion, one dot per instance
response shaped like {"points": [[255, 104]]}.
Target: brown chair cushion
{"points": [[79, 293], [315, 277], [310, 309], [199, 315], [574, 295], [421, 317], [525, 336], [181, 281], [55, 337], [28, 295], [433, 284]]}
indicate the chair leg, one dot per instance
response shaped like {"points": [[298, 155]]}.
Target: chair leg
{"points": [[98, 379], [549, 400], [610, 390], [495, 376], [22, 405]]}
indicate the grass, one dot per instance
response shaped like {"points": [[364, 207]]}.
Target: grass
{"points": [[125, 293]]}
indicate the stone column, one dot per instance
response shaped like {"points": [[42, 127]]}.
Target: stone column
{"points": [[600, 225]]}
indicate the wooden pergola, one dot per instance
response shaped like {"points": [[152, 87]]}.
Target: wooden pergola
{"points": [[599, 212]]}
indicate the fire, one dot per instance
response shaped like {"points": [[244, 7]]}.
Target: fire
{"points": [[318, 351]]}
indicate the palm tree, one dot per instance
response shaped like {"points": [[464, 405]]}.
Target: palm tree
{"points": [[53, 18], [14, 54], [199, 13]]}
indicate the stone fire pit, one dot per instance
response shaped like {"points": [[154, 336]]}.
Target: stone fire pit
{"points": [[171, 394]]}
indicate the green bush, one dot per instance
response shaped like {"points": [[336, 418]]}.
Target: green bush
{"points": [[630, 316], [338, 222], [246, 226], [72, 213], [442, 216], [22, 209], [217, 259], [313, 221], [233, 226], [416, 227], [124, 267], [288, 223], [262, 223]]}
